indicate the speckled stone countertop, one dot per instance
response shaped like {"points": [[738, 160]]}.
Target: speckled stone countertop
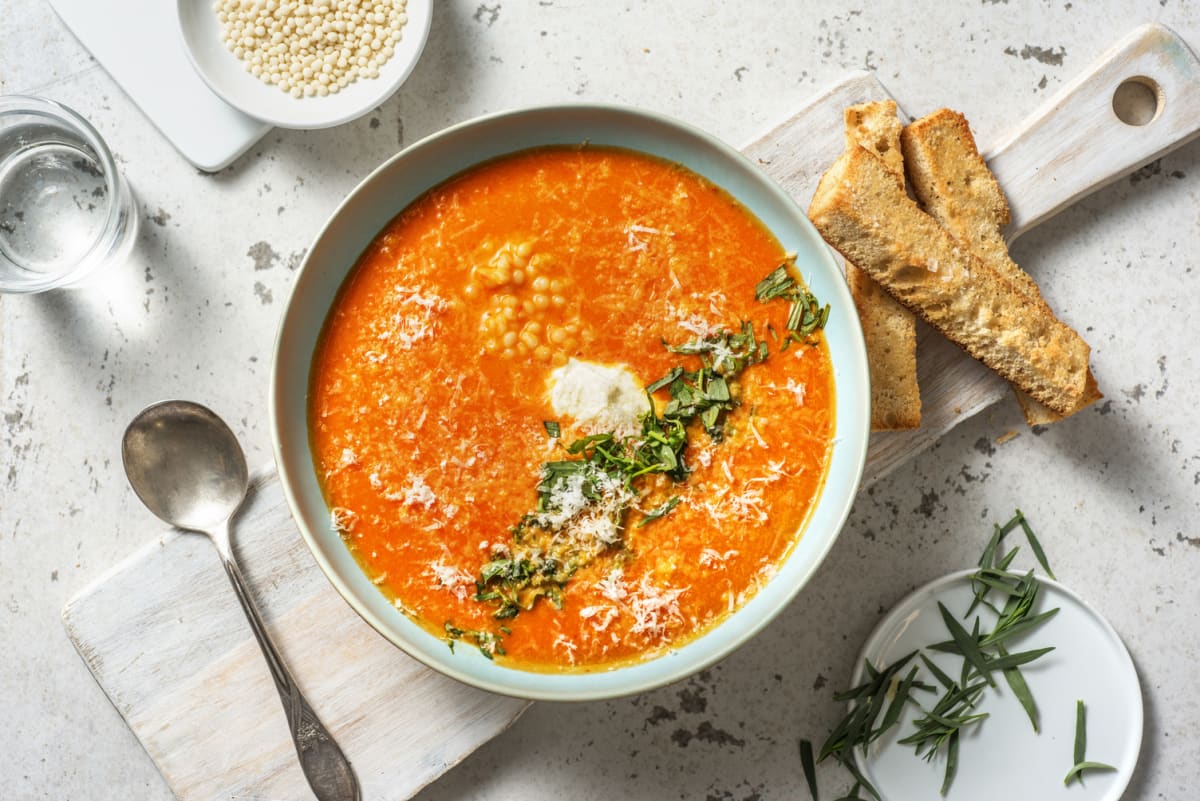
{"points": [[1114, 492]]}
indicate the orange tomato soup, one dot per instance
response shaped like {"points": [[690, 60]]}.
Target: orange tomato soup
{"points": [[433, 378]]}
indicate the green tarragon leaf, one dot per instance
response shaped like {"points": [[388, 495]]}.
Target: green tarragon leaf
{"points": [[660, 511]]}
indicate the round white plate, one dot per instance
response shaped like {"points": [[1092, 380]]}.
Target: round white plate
{"points": [[1002, 758], [226, 74]]}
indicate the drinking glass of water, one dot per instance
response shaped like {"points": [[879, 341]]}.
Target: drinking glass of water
{"points": [[65, 210]]}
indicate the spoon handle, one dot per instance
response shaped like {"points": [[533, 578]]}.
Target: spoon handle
{"points": [[325, 766]]}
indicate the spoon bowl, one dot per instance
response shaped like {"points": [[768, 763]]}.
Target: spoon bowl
{"points": [[185, 464]]}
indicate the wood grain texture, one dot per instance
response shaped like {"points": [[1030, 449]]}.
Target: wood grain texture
{"points": [[165, 638], [1075, 143]]}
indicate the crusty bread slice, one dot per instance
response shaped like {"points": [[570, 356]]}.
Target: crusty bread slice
{"points": [[891, 336], [1038, 414], [890, 329], [860, 210], [955, 187], [876, 127]]}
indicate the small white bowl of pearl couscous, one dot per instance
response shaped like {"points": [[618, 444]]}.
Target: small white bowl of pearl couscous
{"points": [[304, 63]]}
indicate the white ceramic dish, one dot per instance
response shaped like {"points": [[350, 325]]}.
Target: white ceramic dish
{"points": [[1002, 758], [227, 76], [391, 188]]}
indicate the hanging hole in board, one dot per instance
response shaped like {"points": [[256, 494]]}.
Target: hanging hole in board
{"points": [[1138, 101]]}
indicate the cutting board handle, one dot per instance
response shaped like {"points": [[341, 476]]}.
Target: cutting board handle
{"points": [[1077, 143]]}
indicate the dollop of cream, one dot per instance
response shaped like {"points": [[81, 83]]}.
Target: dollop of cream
{"points": [[599, 397]]}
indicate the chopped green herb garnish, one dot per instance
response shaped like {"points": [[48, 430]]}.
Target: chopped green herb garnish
{"points": [[600, 482], [1081, 763], [778, 284], [660, 511], [724, 353], [665, 380], [488, 643], [806, 316]]}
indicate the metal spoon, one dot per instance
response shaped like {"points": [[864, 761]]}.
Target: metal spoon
{"points": [[187, 467]]}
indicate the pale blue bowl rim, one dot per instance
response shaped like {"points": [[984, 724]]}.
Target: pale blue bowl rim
{"points": [[408, 174]]}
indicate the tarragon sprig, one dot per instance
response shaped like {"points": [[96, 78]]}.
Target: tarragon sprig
{"points": [[939, 728]]}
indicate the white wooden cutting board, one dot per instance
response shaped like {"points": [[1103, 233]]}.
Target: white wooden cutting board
{"points": [[165, 639]]}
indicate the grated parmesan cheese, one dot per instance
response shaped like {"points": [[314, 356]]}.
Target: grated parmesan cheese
{"points": [[710, 557], [416, 493], [797, 389], [694, 324], [414, 320], [567, 646], [762, 443], [715, 301], [587, 525], [654, 609], [599, 616], [745, 506], [775, 472], [342, 520], [637, 244], [451, 578], [612, 586]]}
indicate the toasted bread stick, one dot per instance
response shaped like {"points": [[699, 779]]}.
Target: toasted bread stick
{"points": [[890, 329], [860, 210], [876, 127], [956, 188]]}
